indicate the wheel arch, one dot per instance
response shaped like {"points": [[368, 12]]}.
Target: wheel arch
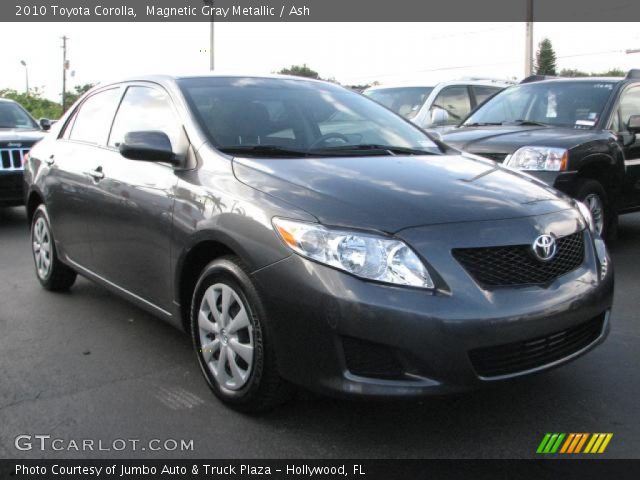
{"points": [[34, 200], [192, 261]]}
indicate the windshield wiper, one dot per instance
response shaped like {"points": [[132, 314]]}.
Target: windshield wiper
{"points": [[529, 123], [264, 150], [373, 148], [482, 124]]}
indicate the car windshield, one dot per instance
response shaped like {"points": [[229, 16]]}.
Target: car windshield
{"points": [[405, 101], [298, 118], [14, 116], [574, 104]]}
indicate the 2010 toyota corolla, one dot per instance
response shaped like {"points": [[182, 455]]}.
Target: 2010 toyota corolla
{"points": [[305, 235]]}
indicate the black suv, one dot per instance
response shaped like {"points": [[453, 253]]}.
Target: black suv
{"points": [[18, 132], [577, 134]]}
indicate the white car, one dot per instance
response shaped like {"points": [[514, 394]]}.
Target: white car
{"points": [[436, 106]]}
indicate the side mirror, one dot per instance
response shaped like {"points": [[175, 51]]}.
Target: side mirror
{"points": [[439, 116], [45, 124], [634, 124], [151, 146]]}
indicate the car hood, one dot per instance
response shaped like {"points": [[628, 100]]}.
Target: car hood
{"points": [[19, 136], [390, 193], [507, 139]]}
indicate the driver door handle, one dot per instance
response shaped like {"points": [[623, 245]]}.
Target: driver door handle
{"points": [[96, 174]]}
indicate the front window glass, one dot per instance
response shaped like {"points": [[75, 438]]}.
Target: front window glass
{"points": [[144, 109], [575, 104], [263, 116], [94, 118], [405, 101], [14, 116], [629, 105]]}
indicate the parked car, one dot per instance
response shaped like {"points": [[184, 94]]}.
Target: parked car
{"points": [[303, 234], [436, 107], [577, 134], [18, 132]]}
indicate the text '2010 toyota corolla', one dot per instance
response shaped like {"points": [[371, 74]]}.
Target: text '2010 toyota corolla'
{"points": [[305, 235]]}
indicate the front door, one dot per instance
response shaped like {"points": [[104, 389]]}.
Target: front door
{"points": [[137, 197], [630, 105]]}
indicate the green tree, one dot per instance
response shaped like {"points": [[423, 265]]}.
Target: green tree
{"points": [[545, 58], [78, 91], [300, 71], [572, 72], [34, 103]]}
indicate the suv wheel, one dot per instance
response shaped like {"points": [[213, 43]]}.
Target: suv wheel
{"points": [[594, 196], [51, 272], [232, 341]]}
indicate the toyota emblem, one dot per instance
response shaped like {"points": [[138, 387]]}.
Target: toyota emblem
{"points": [[545, 247]]}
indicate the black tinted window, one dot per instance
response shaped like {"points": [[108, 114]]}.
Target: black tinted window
{"points": [[94, 119], [455, 101], [295, 114], [482, 93], [629, 104], [14, 116], [576, 104], [144, 109]]}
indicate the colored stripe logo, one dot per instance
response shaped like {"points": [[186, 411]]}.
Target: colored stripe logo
{"points": [[574, 443]]}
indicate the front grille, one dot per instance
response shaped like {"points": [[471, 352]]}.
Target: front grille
{"points": [[368, 359], [496, 157], [517, 357], [514, 265], [11, 158]]}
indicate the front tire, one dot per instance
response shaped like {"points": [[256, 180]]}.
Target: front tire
{"points": [[232, 340], [593, 195], [51, 272]]}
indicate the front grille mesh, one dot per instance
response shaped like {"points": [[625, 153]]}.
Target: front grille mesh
{"points": [[516, 265], [517, 357], [11, 158]]}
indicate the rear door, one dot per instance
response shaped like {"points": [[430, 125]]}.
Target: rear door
{"points": [[136, 201], [71, 183], [630, 105]]}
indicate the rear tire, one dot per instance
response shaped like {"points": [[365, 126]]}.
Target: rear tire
{"points": [[232, 340], [594, 196], [51, 272]]}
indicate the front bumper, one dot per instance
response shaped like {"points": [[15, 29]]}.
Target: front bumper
{"points": [[11, 189], [321, 319]]}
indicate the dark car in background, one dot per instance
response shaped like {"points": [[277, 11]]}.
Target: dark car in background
{"points": [[579, 135], [306, 235], [18, 132]]}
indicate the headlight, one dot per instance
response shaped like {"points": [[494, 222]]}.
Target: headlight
{"points": [[539, 159], [586, 214], [368, 256]]}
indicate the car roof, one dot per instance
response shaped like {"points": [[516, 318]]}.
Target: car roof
{"points": [[7, 100], [427, 84], [577, 79]]}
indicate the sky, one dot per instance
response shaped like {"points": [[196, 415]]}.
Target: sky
{"points": [[352, 53]]}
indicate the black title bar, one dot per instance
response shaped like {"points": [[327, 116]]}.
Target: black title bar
{"points": [[318, 10]]}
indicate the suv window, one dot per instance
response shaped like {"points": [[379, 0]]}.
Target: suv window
{"points": [[94, 118], [144, 109], [455, 100], [482, 93], [629, 104]]}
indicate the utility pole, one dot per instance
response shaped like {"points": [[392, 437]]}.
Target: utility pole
{"points": [[65, 65], [528, 47], [210, 3]]}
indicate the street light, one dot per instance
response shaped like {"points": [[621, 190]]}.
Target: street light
{"points": [[632, 50], [26, 75], [211, 37]]}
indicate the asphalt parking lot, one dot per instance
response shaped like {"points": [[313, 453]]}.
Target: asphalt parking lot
{"points": [[88, 365]]}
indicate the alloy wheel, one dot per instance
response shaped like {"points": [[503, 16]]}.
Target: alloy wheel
{"points": [[226, 336], [41, 245]]}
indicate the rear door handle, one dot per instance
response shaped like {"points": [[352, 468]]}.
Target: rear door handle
{"points": [[96, 174]]}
